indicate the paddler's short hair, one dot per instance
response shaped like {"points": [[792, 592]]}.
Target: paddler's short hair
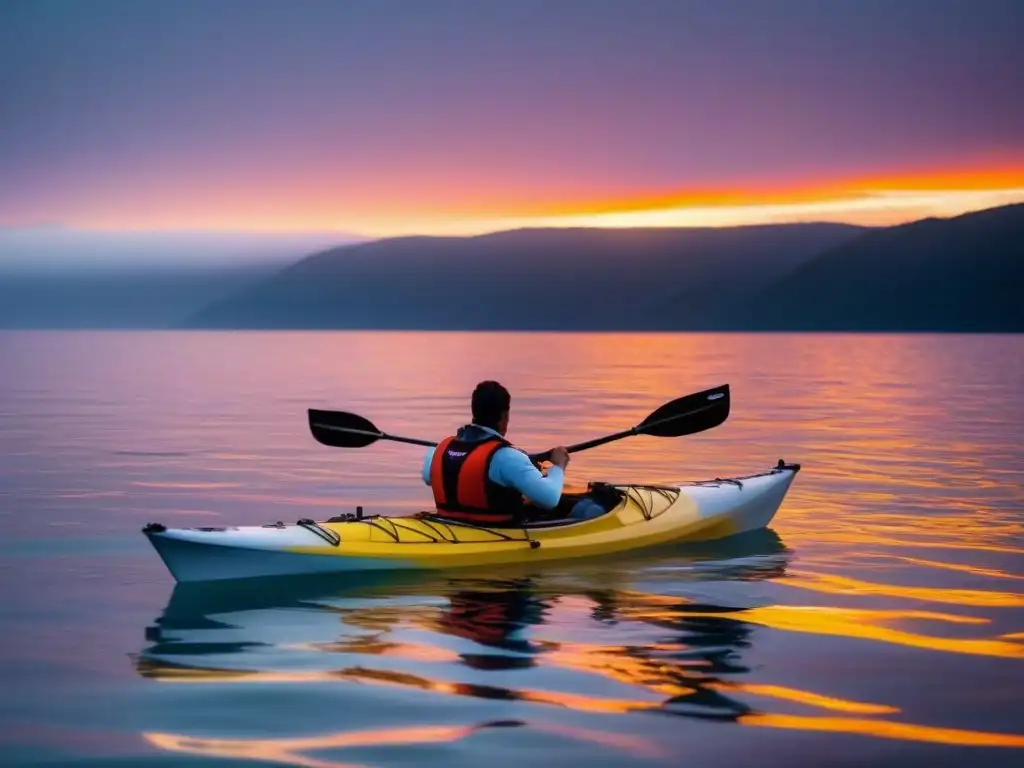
{"points": [[490, 402]]}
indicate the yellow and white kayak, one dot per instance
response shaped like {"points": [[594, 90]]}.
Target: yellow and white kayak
{"points": [[638, 516]]}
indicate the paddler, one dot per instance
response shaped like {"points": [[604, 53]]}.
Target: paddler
{"points": [[479, 477]]}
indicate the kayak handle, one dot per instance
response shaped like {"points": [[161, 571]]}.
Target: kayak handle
{"points": [[326, 534]]}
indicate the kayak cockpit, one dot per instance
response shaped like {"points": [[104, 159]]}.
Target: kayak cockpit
{"points": [[604, 496], [608, 497]]}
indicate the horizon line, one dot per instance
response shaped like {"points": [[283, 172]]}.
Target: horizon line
{"points": [[879, 208]]}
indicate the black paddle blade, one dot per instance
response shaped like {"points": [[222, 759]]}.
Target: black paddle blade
{"points": [[683, 416], [688, 415], [339, 429]]}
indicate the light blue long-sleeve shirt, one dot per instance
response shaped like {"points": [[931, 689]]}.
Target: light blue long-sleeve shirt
{"points": [[512, 468]]}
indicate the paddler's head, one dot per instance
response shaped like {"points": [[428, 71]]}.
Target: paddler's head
{"points": [[491, 404]]}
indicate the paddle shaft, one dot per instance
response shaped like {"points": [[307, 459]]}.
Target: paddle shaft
{"points": [[637, 430]]}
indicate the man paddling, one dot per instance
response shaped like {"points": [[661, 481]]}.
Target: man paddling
{"points": [[478, 476]]}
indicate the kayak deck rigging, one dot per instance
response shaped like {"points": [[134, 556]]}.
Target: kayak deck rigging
{"points": [[436, 529]]}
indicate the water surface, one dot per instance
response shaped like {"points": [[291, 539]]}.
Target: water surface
{"points": [[879, 621]]}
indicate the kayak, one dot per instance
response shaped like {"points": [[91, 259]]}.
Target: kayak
{"points": [[637, 516]]}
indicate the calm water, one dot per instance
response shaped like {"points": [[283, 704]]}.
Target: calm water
{"points": [[880, 620]]}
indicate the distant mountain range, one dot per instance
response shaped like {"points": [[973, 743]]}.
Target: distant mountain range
{"points": [[959, 274], [964, 273], [534, 279]]}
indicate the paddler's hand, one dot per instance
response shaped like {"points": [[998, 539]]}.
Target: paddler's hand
{"points": [[560, 457]]}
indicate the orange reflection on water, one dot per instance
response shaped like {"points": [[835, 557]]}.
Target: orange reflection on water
{"points": [[376, 647], [829, 532], [972, 569], [578, 702], [286, 750], [583, 703], [869, 625], [176, 674], [975, 546], [844, 585], [827, 620], [807, 697], [663, 678], [620, 666], [886, 729]]}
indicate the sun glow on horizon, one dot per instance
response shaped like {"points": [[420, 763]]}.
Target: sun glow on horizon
{"points": [[870, 201]]}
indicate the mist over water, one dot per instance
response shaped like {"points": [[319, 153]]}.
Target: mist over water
{"points": [[63, 277], [879, 621], [45, 248]]}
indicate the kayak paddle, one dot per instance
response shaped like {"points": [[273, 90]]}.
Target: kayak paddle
{"points": [[339, 429], [685, 415]]}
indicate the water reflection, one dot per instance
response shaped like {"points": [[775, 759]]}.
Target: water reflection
{"points": [[289, 750], [594, 639], [681, 674], [469, 635]]}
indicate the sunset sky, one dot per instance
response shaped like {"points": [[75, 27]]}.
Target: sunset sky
{"points": [[385, 117]]}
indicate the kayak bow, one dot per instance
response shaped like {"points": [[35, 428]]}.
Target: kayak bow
{"points": [[638, 516]]}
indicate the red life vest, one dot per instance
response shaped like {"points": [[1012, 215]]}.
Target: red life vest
{"points": [[462, 489]]}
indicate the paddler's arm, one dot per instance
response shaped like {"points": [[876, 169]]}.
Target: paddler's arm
{"points": [[513, 469], [426, 465]]}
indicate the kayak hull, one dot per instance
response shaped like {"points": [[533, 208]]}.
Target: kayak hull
{"points": [[644, 516], [201, 561]]}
